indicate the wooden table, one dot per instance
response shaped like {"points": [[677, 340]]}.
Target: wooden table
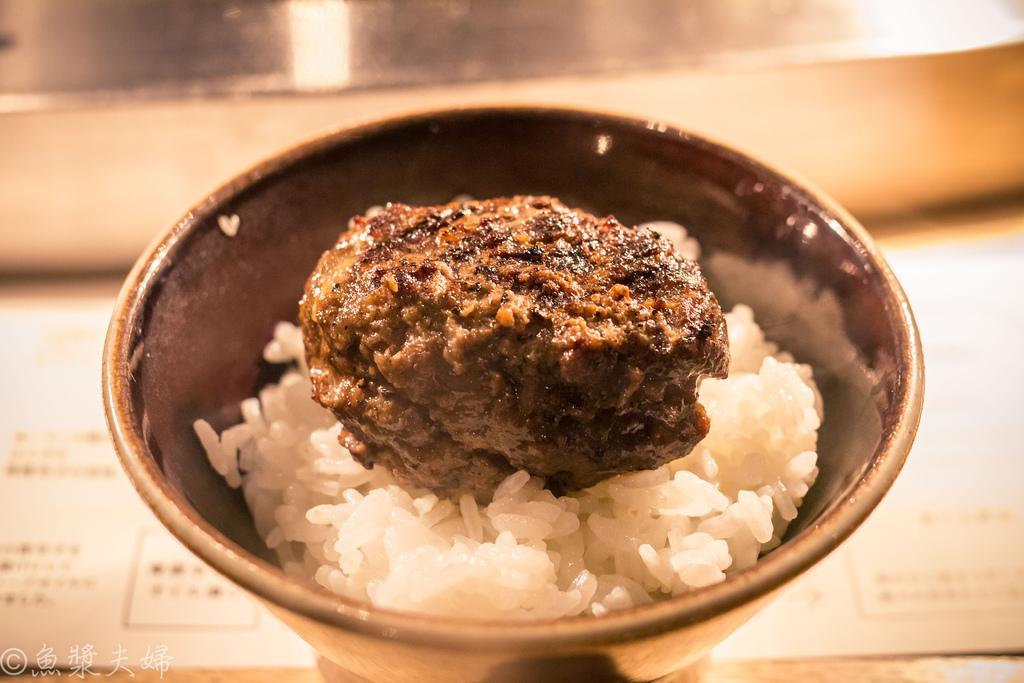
{"points": [[875, 670]]}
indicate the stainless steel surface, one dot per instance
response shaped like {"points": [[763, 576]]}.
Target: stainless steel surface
{"points": [[56, 52], [87, 188]]}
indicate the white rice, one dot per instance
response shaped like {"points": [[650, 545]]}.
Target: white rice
{"points": [[627, 541]]}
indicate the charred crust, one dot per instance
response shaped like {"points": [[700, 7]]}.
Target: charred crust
{"points": [[461, 342]]}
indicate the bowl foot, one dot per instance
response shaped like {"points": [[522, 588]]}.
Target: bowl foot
{"points": [[334, 673], [694, 673]]}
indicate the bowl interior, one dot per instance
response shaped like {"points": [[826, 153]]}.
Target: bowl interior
{"points": [[206, 303]]}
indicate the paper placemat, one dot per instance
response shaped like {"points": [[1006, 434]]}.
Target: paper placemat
{"points": [[87, 573]]}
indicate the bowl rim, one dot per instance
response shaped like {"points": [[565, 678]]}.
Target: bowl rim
{"points": [[269, 583]]}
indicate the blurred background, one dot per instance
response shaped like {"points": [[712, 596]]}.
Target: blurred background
{"points": [[116, 116]]}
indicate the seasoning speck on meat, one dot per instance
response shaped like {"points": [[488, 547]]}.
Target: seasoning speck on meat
{"points": [[460, 343]]}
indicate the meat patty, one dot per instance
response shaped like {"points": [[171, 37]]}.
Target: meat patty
{"points": [[460, 343]]}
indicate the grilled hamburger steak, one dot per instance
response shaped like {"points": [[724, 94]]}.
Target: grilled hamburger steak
{"points": [[459, 343]]}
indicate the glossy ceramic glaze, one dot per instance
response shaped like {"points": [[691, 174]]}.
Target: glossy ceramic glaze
{"points": [[187, 334]]}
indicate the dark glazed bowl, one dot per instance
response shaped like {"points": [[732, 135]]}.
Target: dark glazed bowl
{"points": [[186, 339]]}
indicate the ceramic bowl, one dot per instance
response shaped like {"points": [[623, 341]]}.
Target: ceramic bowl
{"points": [[186, 338]]}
